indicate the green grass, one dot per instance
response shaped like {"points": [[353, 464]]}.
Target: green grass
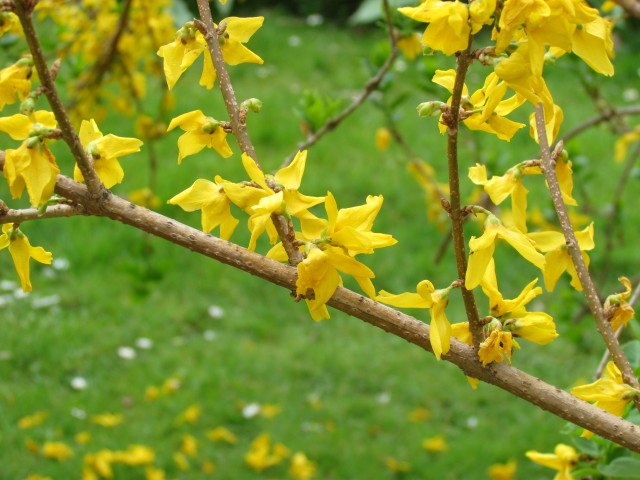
{"points": [[122, 286]]}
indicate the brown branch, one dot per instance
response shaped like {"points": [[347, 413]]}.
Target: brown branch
{"points": [[632, 7], [598, 119], [371, 86], [591, 294], [452, 119], [54, 211], [23, 10], [95, 76]]}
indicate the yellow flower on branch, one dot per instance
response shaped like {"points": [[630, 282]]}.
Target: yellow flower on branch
{"points": [[189, 44], [482, 249], [563, 460], [105, 151], [210, 198], [485, 109], [609, 392], [21, 252], [32, 165], [15, 81], [617, 303], [426, 296], [557, 258], [498, 345], [201, 131]]}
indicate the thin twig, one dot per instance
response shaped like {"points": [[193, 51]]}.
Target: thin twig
{"points": [[603, 117], [632, 7], [591, 294], [54, 211], [452, 118], [371, 86], [95, 187]]}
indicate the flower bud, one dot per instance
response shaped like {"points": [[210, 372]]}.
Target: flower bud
{"points": [[27, 106], [427, 109], [253, 104]]}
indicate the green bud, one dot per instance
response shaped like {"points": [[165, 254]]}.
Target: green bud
{"points": [[253, 104], [31, 142], [427, 109], [27, 106], [211, 125]]}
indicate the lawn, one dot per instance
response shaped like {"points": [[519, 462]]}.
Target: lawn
{"points": [[173, 345]]}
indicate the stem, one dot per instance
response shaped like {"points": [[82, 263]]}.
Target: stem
{"points": [[506, 377], [603, 117], [96, 190], [591, 294], [54, 211], [452, 120]]}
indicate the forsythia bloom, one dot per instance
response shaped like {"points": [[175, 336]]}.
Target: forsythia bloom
{"points": [[32, 165], [496, 346], [482, 249], [622, 311], [105, 150], [426, 296], [15, 81], [557, 258], [563, 460], [489, 101], [210, 198], [21, 251], [201, 131], [609, 392]]}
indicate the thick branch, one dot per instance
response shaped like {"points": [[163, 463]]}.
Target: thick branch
{"points": [[591, 294], [452, 119], [506, 377], [371, 86]]}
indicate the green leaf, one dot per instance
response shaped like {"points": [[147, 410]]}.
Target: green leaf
{"points": [[622, 467], [371, 10], [632, 351], [586, 446]]}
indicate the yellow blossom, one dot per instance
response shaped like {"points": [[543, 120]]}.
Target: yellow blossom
{"points": [[486, 107], [145, 198], [263, 455], [426, 296], [448, 30], [57, 451], [107, 420], [210, 198], [623, 142], [435, 444], [135, 455], [270, 410], [181, 462], [31, 420], [397, 466], [563, 460], [9, 22], [410, 45], [208, 467], [105, 150], [201, 131], [482, 249], [190, 415], [82, 438], [383, 139], [557, 258], [419, 414], [152, 473], [15, 81], [32, 165], [21, 252], [170, 385], [189, 445], [151, 393], [609, 392], [502, 471], [617, 303], [301, 468], [222, 434], [496, 346]]}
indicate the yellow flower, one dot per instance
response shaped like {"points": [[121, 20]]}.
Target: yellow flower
{"points": [[222, 434], [486, 107], [496, 346], [622, 311], [609, 392], [594, 44], [419, 414], [9, 22], [435, 444], [21, 251], [190, 415], [181, 462], [57, 451], [105, 150], [189, 44], [301, 468], [537, 327], [270, 410], [189, 445], [15, 81], [482, 249], [135, 455], [82, 438], [623, 142], [32, 165], [208, 467], [201, 131], [98, 465], [263, 455], [32, 420], [383, 139], [557, 258], [426, 296], [502, 471], [563, 460], [145, 198], [448, 30], [210, 198], [410, 45], [107, 420], [152, 473]]}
